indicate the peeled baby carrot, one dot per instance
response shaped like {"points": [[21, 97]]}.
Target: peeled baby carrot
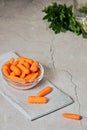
{"points": [[11, 61], [12, 74], [22, 75], [27, 65], [21, 62], [15, 69], [34, 75], [23, 68], [72, 116], [39, 71], [6, 67], [17, 78], [35, 99], [28, 76], [15, 63], [35, 63], [7, 63], [34, 66], [30, 61], [31, 76], [45, 91], [6, 70]]}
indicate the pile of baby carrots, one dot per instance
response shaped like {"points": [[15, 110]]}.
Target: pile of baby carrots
{"points": [[21, 69]]}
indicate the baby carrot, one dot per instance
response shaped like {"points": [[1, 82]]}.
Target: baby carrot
{"points": [[45, 91], [28, 76], [12, 74], [23, 68], [21, 62], [15, 63], [35, 99], [34, 66], [5, 71], [26, 64], [22, 75], [35, 63], [17, 78], [72, 116], [7, 63], [11, 61], [34, 76], [15, 69], [30, 61], [31, 76]]}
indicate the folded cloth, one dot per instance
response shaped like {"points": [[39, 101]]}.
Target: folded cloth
{"points": [[18, 98]]}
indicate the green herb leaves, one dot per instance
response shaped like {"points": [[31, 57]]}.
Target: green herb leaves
{"points": [[61, 19]]}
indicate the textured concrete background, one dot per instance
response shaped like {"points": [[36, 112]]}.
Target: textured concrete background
{"points": [[64, 57], [11, 8]]}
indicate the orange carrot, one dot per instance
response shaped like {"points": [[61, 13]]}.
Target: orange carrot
{"points": [[72, 116], [28, 76], [7, 63], [23, 68], [22, 75], [35, 99], [16, 62], [31, 76], [21, 62], [34, 66], [35, 63], [26, 64], [39, 71], [5, 69], [30, 61], [17, 78], [15, 69], [12, 74], [5, 66], [45, 91], [11, 61], [34, 75]]}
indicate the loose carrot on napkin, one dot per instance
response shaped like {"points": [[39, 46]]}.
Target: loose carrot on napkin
{"points": [[44, 92], [35, 99]]}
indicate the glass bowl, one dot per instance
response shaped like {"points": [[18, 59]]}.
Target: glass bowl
{"points": [[25, 84]]}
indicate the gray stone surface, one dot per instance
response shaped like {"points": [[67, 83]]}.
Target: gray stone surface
{"points": [[63, 56]]}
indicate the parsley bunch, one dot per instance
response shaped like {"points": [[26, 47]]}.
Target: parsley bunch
{"points": [[62, 19]]}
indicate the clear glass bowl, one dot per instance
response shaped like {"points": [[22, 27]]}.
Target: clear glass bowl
{"points": [[25, 84]]}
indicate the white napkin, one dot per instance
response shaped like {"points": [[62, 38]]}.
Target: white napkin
{"points": [[18, 98]]}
